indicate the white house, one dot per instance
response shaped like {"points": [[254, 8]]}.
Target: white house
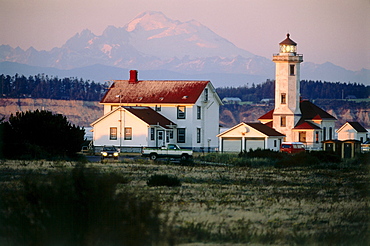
{"points": [[152, 113], [299, 120], [353, 131], [246, 136]]}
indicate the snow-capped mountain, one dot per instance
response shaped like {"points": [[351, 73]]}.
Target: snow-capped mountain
{"points": [[151, 41]]}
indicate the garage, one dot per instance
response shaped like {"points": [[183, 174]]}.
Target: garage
{"points": [[254, 143], [246, 136], [231, 144]]}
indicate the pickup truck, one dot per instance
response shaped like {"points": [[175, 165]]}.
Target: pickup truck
{"points": [[172, 150]]}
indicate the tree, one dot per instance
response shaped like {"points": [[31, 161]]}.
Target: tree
{"points": [[40, 134]]}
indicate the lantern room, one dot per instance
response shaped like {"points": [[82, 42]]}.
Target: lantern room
{"points": [[288, 45]]}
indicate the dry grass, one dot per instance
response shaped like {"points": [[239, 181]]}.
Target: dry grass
{"points": [[261, 205]]}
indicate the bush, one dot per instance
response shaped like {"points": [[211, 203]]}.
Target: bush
{"points": [[40, 135], [78, 207], [163, 180], [262, 153]]}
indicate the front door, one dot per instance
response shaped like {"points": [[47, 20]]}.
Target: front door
{"points": [[160, 138], [347, 150]]}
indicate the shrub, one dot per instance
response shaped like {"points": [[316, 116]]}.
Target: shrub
{"points": [[78, 207], [262, 153], [40, 135], [163, 180]]}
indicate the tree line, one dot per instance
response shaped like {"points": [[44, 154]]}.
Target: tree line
{"points": [[309, 90], [43, 86]]}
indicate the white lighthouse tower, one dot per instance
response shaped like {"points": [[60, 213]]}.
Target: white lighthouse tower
{"points": [[287, 92]]}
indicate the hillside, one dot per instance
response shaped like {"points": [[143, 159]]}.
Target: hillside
{"points": [[83, 113], [80, 113]]}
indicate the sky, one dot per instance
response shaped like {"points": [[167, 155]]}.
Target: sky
{"points": [[336, 31]]}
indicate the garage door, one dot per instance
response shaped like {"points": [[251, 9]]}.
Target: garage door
{"points": [[254, 144], [232, 145]]}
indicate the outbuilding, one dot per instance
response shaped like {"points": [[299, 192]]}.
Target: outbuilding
{"points": [[246, 136]]}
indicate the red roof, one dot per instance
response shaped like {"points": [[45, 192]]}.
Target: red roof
{"points": [[309, 111], [154, 91], [267, 116], [305, 125], [288, 41]]}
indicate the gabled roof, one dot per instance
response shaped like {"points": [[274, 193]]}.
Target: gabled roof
{"points": [[154, 91], [305, 125], [262, 128], [267, 116], [150, 116], [355, 125], [309, 111], [265, 129], [146, 114]]}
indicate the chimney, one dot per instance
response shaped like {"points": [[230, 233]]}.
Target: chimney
{"points": [[133, 77]]}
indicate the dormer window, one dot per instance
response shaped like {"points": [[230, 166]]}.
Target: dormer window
{"points": [[181, 112], [206, 94]]}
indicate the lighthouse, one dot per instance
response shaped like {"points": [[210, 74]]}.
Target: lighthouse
{"points": [[287, 111]]}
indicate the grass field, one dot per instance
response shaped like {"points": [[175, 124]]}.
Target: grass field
{"points": [[231, 205]]}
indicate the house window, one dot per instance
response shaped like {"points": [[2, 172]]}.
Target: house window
{"points": [[302, 137], [128, 133], [152, 135], [291, 70], [330, 133], [283, 98], [181, 112], [317, 137], [169, 135], [113, 133], [198, 135], [324, 134], [158, 108], [199, 112], [275, 143], [283, 121], [206, 94], [181, 135]]}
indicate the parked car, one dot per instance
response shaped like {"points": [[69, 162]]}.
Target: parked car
{"points": [[365, 147], [109, 152], [172, 150], [292, 147]]}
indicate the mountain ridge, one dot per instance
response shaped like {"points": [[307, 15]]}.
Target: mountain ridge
{"points": [[151, 41]]}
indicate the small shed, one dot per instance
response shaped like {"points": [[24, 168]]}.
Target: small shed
{"points": [[345, 149], [246, 136], [332, 145]]}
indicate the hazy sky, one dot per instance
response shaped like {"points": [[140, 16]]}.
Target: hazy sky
{"points": [[337, 31]]}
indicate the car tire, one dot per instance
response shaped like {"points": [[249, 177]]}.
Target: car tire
{"points": [[184, 157], [153, 157]]}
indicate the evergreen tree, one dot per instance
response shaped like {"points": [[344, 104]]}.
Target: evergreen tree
{"points": [[40, 134]]}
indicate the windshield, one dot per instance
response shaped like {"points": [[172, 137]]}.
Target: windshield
{"points": [[109, 148]]}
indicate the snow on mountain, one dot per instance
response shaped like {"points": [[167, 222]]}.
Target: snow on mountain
{"points": [[154, 34], [151, 41]]}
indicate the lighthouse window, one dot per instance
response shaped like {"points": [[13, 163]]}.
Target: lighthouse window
{"points": [[283, 98], [292, 67], [283, 121]]}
